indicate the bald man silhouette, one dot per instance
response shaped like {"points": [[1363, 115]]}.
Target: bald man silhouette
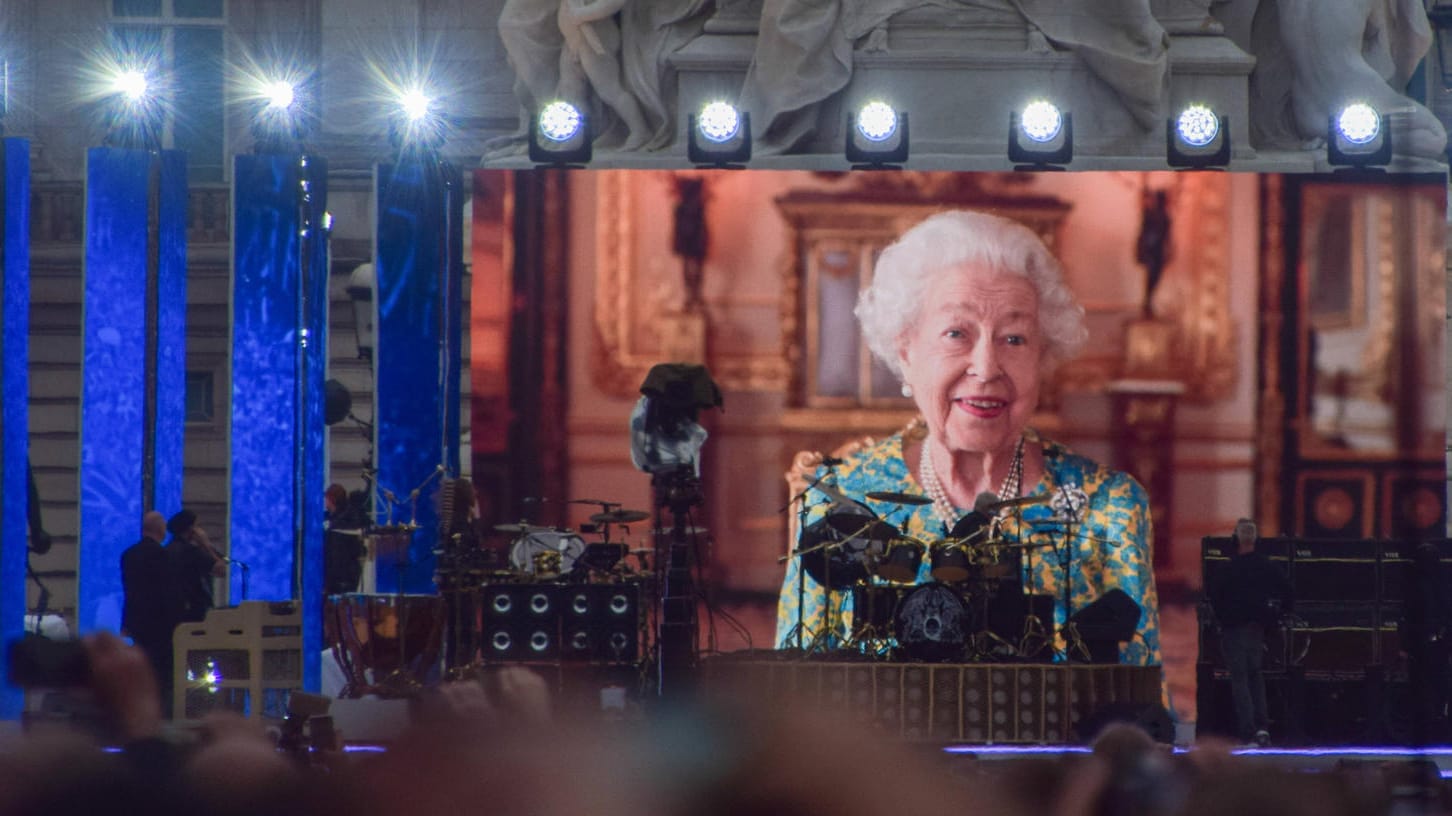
{"points": [[153, 606]]}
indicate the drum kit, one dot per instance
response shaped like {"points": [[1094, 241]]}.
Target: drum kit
{"points": [[554, 559], [974, 608]]}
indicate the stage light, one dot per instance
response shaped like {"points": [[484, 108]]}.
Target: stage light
{"points": [[1358, 136], [720, 136], [415, 105], [1040, 137], [131, 84], [560, 121], [1041, 121], [560, 135], [280, 95], [1198, 137], [1358, 123], [719, 122], [877, 136]]}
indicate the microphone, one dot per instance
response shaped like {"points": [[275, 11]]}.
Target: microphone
{"points": [[985, 503], [989, 504], [832, 461]]}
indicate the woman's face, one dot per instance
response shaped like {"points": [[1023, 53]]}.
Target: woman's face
{"points": [[972, 357]]}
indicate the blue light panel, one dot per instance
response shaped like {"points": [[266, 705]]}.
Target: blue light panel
{"points": [[14, 377], [279, 360], [118, 241], [417, 425]]}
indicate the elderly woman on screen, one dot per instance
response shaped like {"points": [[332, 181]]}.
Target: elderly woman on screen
{"points": [[972, 312]]}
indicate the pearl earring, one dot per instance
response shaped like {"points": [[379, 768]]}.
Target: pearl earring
{"points": [[907, 390]]}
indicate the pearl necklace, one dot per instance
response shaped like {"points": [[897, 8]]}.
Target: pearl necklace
{"points": [[944, 509]]}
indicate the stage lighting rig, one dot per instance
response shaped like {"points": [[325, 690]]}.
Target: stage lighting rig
{"points": [[1040, 137], [277, 124], [4, 93], [1198, 138], [417, 123], [133, 116], [560, 136], [1359, 136], [720, 136], [877, 137]]}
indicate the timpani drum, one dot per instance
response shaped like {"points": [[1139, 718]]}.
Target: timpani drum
{"points": [[386, 645]]}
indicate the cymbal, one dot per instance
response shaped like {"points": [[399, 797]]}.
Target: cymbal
{"points": [[858, 526], [898, 498], [620, 517], [1054, 520], [688, 531], [593, 501], [521, 527]]}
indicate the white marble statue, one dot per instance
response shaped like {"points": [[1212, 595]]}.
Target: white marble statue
{"points": [[651, 31], [591, 60], [1315, 56], [804, 52]]}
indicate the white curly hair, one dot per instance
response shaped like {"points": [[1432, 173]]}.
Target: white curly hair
{"points": [[907, 270]]}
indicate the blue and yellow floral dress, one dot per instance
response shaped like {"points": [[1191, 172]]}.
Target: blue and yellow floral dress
{"points": [[1110, 547]]}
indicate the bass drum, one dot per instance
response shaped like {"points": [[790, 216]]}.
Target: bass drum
{"points": [[527, 550], [933, 623]]}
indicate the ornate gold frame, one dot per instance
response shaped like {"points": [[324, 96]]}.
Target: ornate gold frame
{"points": [[621, 361], [1197, 306]]}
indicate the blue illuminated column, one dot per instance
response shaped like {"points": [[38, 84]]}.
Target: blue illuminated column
{"points": [[14, 378], [279, 359], [419, 264], [133, 371]]}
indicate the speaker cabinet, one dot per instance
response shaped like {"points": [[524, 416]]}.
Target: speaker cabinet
{"points": [[521, 622]]}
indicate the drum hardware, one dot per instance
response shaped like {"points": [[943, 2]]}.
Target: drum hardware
{"points": [[522, 527], [523, 553], [855, 526], [993, 508], [951, 561], [620, 517], [690, 531], [899, 498], [546, 564], [901, 562]]}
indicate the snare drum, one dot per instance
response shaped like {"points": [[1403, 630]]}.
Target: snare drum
{"points": [[951, 561], [901, 562], [535, 553]]}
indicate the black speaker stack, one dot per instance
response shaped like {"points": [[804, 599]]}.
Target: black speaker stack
{"points": [[1334, 672], [563, 622]]}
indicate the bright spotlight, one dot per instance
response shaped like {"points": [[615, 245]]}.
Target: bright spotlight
{"points": [[130, 84], [1040, 137], [560, 135], [1197, 138], [1041, 121], [719, 122], [280, 95], [1197, 126], [1358, 123], [719, 136], [877, 136], [1358, 136], [877, 121], [560, 121], [415, 104]]}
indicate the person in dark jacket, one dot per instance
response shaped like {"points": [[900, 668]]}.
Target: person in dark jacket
{"points": [[1249, 594], [196, 563], [152, 607]]}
